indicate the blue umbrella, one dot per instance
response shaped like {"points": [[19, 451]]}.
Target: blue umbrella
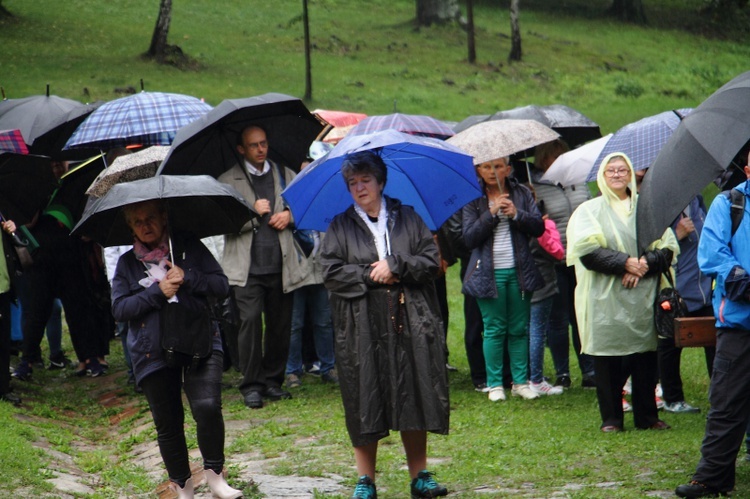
{"points": [[145, 118], [641, 140], [435, 178]]}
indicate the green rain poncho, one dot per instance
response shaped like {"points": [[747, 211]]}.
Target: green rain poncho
{"points": [[613, 320]]}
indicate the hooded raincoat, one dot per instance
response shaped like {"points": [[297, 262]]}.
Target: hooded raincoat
{"points": [[613, 320], [390, 353]]}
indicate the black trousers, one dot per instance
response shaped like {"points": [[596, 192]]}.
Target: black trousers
{"points": [[473, 330], [729, 396], [262, 355], [611, 373], [669, 362], [5, 299], [163, 390]]}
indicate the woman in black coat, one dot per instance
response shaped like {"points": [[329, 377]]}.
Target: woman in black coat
{"points": [[380, 261]]}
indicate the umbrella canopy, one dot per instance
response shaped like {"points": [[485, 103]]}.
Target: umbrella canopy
{"points": [[572, 167], [69, 200], [573, 127], [703, 146], [26, 182], [470, 121], [12, 141], [129, 167], [145, 118], [642, 140], [52, 141], [435, 178], [34, 115], [497, 139], [413, 124], [209, 145], [195, 203], [339, 118]]}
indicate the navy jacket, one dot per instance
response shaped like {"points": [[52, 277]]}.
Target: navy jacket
{"points": [[140, 306], [478, 227]]}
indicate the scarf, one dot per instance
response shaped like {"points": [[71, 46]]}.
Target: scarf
{"points": [[156, 255], [379, 231]]}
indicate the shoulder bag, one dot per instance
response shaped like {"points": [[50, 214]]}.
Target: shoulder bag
{"points": [[667, 307]]}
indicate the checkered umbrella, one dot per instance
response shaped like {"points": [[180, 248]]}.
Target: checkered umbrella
{"points": [[413, 124], [12, 141], [145, 118], [641, 141]]}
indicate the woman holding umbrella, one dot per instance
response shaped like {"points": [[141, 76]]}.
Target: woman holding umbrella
{"points": [[139, 300], [615, 294], [7, 273], [379, 262], [502, 273]]}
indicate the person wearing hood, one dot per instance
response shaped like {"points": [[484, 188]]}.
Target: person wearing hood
{"points": [[502, 274], [616, 292]]}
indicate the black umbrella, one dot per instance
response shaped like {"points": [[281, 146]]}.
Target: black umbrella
{"points": [[34, 115], [195, 203], [573, 127], [707, 141], [470, 121], [70, 199], [26, 182], [209, 144], [50, 142]]}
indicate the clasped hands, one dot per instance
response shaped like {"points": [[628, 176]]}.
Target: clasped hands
{"points": [[172, 281], [278, 221], [635, 269], [504, 205], [381, 273]]}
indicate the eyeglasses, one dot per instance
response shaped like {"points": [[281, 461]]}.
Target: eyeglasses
{"points": [[621, 172]]}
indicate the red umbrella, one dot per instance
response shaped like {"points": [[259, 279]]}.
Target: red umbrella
{"points": [[12, 141], [340, 118]]}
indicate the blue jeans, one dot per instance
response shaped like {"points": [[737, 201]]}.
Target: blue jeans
{"points": [[314, 298], [538, 330]]}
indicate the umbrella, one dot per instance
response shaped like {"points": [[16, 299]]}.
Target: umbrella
{"points": [[413, 124], [129, 167], [572, 167], [642, 140], [55, 134], [34, 115], [145, 118], [498, 139], [470, 121], [339, 118], [195, 203], [209, 145], [435, 178], [703, 146], [12, 141], [69, 200], [573, 127], [26, 182]]}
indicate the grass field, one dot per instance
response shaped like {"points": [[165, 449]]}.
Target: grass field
{"points": [[369, 58]]}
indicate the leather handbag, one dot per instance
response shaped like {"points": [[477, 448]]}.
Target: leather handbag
{"points": [[186, 334]]}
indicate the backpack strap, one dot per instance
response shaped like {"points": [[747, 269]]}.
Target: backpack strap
{"points": [[737, 208]]}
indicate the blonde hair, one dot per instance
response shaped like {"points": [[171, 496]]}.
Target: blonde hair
{"points": [[546, 153]]}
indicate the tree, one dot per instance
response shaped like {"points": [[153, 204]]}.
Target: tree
{"points": [[158, 48], [470, 31], [630, 11], [3, 11], [437, 12], [515, 32], [308, 70]]}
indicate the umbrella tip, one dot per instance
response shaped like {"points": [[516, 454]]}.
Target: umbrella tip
{"points": [[141, 84], [47, 89]]}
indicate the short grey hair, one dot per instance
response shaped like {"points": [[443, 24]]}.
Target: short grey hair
{"points": [[365, 162]]}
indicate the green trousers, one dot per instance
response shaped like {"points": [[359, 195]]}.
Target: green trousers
{"points": [[506, 320]]}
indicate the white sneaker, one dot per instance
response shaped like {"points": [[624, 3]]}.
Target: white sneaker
{"points": [[544, 388], [626, 407], [658, 392], [496, 393], [524, 391]]}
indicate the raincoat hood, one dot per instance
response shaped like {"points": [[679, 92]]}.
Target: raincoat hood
{"points": [[606, 191]]}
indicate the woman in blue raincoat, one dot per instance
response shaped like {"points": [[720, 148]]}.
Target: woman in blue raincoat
{"points": [[615, 293]]}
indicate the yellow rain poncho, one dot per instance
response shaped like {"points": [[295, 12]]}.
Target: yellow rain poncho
{"points": [[613, 320]]}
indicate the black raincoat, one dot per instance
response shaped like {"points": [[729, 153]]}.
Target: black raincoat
{"points": [[390, 355]]}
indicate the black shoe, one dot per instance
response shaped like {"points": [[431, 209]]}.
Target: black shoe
{"points": [[59, 362], [696, 489], [276, 393], [450, 368], [426, 486], [588, 382], [23, 371], [10, 397], [564, 381], [254, 400]]}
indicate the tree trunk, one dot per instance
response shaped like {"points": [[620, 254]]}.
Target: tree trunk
{"points": [[159, 39], [4, 12], [437, 12], [470, 31], [515, 32], [630, 11], [308, 69]]}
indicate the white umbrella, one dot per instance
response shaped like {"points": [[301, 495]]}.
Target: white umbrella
{"points": [[573, 167]]}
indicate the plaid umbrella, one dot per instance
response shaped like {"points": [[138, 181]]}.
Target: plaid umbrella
{"points": [[12, 141], [146, 118], [413, 124], [129, 167], [642, 140]]}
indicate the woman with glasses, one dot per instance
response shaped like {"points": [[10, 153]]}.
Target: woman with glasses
{"points": [[615, 294]]}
